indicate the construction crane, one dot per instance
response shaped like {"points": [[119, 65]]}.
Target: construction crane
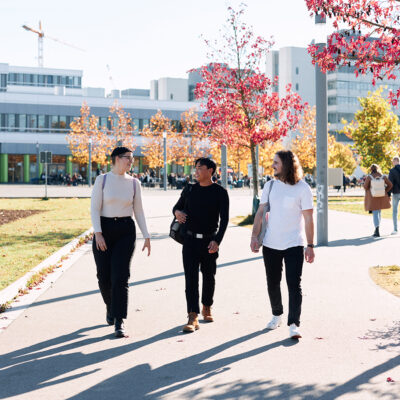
{"points": [[41, 35]]}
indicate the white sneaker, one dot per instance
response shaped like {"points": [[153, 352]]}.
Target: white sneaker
{"points": [[294, 332], [394, 233], [275, 322]]}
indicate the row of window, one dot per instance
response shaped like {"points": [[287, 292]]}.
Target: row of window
{"points": [[350, 101], [359, 86], [335, 118], [44, 80], [59, 123]]}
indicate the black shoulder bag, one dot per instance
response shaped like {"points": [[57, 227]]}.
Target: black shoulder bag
{"points": [[177, 230]]}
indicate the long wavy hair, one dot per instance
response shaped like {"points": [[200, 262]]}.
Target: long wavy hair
{"points": [[291, 168]]}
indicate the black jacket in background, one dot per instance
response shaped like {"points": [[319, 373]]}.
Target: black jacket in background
{"points": [[394, 177]]}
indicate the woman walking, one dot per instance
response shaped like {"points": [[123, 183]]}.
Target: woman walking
{"points": [[376, 197], [116, 197]]}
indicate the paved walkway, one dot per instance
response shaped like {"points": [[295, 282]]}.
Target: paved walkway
{"points": [[38, 191], [60, 348]]}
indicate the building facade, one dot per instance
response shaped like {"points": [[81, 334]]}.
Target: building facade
{"points": [[37, 106], [293, 66]]}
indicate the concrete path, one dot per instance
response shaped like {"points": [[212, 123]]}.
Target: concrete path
{"points": [[60, 348], [38, 191]]}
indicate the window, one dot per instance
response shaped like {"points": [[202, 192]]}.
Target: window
{"points": [[41, 80], [332, 101], [54, 121], [297, 70], [62, 122], [12, 121], [297, 86], [22, 122], [171, 96], [136, 124], [331, 85], [332, 118], [41, 122], [32, 121]]}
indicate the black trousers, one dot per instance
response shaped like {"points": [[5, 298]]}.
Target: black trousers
{"points": [[294, 259], [196, 257], [113, 264]]}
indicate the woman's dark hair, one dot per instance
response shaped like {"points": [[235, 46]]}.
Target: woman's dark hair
{"points": [[291, 168], [374, 168], [118, 151], [207, 162]]}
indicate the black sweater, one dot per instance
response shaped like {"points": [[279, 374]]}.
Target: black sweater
{"points": [[394, 177], [205, 206]]}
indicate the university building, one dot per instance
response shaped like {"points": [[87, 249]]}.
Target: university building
{"points": [[293, 66], [37, 106]]}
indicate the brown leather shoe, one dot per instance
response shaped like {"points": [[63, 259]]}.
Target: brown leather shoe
{"points": [[193, 323], [206, 312]]}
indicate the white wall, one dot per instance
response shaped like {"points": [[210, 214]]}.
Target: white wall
{"points": [[176, 89]]}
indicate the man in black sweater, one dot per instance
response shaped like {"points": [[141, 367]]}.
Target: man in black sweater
{"points": [[200, 207], [394, 177]]}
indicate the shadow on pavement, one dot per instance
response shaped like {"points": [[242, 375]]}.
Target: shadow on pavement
{"points": [[143, 382], [143, 282], [354, 242], [38, 366]]}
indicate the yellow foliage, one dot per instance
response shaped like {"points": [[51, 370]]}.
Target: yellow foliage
{"points": [[266, 152]]}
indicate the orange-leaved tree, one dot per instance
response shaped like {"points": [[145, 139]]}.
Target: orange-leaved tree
{"points": [[153, 145], [82, 129], [122, 127], [266, 153]]}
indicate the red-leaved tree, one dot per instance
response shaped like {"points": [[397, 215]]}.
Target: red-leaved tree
{"points": [[241, 107], [369, 42]]}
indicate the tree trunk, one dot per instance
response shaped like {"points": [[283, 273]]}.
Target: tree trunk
{"points": [[254, 167]]}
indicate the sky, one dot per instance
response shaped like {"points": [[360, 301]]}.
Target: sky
{"points": [[139, 40]]}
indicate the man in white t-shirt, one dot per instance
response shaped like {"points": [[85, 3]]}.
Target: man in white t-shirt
{"points": [[291, 213]]}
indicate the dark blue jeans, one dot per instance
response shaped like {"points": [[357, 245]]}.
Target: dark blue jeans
{"points": [[294, 259]]}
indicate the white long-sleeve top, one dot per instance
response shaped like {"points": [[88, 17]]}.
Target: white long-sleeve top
{"points": [[117, 199]]}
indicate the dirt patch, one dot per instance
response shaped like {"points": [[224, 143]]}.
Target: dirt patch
{"points": [[7, 216], [387, 278]]}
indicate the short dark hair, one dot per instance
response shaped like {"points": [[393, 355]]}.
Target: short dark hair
{"points": [[291, 168], [118, 151], [207, 162]]}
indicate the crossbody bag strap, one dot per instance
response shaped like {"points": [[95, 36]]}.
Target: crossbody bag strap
{"points": [[104, 182]]}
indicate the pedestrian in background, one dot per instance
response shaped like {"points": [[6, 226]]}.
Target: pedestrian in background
{"points": [[394, 177], [376, 198], [291, 212], [116, 196]]}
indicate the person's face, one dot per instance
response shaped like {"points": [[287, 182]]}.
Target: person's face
{"points": [[277, 166], [202, 173], [395, 162], [125, 161]]}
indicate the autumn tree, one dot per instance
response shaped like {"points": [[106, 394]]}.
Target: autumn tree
{"points": [[237, 156], [194, 132], [153, 144], [370, 41], [341, 156], [122, 128], [375, 131], [84, 128], [266, 152], [305, 147], [240, 103]]}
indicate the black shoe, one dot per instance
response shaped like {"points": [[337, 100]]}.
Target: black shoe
{"points": [[376, 233], [119, 328], [109, 317]]}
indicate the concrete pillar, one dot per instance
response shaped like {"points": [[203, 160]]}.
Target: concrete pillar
{"points": [[140, 164], [187, 169], [68, 165], [26, 168], [3, 168]]}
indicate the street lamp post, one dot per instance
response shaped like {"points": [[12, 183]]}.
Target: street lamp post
{"points": [[90, 163], [224, 166], [165, 160], [322, 140], [37, 161]]}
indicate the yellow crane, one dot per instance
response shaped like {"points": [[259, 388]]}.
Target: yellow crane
{"points": [[41, 35]]}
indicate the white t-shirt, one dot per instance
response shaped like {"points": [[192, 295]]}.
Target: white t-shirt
{"points": [[285, 227]]}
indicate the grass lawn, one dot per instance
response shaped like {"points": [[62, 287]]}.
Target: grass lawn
{"points": [[26, 242], [387, 277]]}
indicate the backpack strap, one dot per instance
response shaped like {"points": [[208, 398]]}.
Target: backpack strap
{"points": [[134, 187], [104, 182]]}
